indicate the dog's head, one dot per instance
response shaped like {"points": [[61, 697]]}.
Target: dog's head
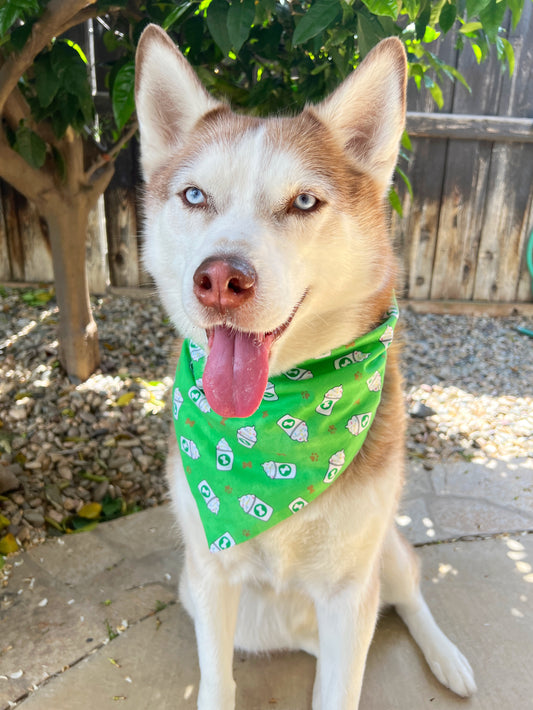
{"points": [[267, 238]]}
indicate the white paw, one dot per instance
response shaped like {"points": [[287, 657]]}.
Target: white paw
{"points": [[453, 670]]}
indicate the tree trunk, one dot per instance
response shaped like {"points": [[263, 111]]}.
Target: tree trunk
{"points": [[78, 336]]}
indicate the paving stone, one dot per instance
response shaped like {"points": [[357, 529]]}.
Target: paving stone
{"points": [[479, 593]]}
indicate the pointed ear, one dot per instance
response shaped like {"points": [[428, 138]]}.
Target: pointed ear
{"points": [[367, 111], [168, 95]]}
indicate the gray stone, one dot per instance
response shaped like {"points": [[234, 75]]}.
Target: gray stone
{"points": [[8, 480]]}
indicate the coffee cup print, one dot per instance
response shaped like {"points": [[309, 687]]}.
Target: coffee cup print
{"points": [[293, 427], [298, 373], [247, 436], [211, 500], [297, 504], [274, 469], [196, 352], [350, 359], [336, 462], [358, 423], [189, 447], [270, 394], [255, 507], [387, 336], [177, 402], [331, 397], [374, 382], [224, 542], [198, 397], [224, 456]]}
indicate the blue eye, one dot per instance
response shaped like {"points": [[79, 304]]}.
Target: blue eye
{"points": [[194, 196], [305, 202]]}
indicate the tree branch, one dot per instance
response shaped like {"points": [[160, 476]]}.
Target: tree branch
{"points": [[32, 183], [99, 185], [110, 155], [55, 19]]}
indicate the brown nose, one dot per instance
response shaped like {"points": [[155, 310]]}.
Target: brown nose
{"points": [[224, 283]]}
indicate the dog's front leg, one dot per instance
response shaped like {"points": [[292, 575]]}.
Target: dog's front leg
{"points": [[346, 622], [214, 603]]}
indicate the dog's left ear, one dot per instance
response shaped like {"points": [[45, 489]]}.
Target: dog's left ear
{"points": [[367, 111]]}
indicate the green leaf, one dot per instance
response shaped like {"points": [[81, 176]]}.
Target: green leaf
{"points": [[447, 16], [13, 10], [474, 7], [175, 15], [406, 180], [241, 15], [320, 15], [470, 27], [46, 81], [492, 17], [123, 94], [422, 22], [387, 8], [506, 53], [516, 7], [217, 23], [30, 146], [395, 201], [369, 32]]}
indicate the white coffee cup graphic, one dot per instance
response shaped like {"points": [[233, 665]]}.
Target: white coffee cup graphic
{"points": [[211, 500], [374, 382], [199, 398], [255, 507], [189, 447], [274, 469], [297, 504], [224, 456], [350, 359], [387, 336], [298, 373], [336, 462], [197, 353], [358, 423], [247, 436], [177, 402], [224, 542], [331, 397], [270, 393], [294, 427]]}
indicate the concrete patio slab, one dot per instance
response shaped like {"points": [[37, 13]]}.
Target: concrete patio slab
{"points": [[456, 499], [478, 594], [66, 600]]}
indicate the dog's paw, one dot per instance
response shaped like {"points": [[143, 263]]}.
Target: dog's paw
{"points": [[453, 670]]}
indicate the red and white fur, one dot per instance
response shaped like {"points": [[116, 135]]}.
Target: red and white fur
{"points": [[321, 277]]}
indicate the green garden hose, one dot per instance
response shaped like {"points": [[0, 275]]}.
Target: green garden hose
{"points": [[529, 261]]}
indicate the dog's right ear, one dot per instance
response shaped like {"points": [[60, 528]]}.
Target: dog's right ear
{"points": [[168, 95]]}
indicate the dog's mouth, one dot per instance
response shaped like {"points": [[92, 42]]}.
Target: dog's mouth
{"points": [[236, 372]]}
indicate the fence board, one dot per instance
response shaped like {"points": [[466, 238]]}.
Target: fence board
{"points": [[121, 220], [465, 186], [415, 235], [504, 234]]}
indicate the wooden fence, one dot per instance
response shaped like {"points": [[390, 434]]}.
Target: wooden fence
{"points": [[463, 235]]}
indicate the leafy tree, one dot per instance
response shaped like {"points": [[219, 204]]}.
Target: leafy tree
{"points": [[265, 56]]}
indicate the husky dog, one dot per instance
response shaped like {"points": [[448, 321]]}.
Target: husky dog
{"points": [[268, 242]]}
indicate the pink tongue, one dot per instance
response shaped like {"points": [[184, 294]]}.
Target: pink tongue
{"points": [[236, 372]]}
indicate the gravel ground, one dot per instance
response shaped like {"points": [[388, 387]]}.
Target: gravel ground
{"points": [[72, 455]]}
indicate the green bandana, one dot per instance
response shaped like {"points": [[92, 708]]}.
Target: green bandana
{"points": [[246, 475]]}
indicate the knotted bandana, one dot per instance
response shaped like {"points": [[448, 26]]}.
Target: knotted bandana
{"points": [[246, 475]]}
